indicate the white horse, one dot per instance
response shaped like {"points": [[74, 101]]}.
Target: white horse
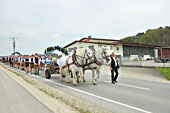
{"points": [[74, 63], [101, 57]]}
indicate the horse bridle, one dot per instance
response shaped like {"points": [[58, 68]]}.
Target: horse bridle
{"points": [[104, 53]]}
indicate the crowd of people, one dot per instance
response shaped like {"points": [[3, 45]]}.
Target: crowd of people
{"points": [[33, 64], [30, 64]]}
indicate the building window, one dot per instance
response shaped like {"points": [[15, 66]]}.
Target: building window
{"points": [[75, 48], [70, 49], [91, 47], [111, 47], [117, 48]]}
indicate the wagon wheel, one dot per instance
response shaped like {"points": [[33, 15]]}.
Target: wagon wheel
{"points": [[47, 74]]}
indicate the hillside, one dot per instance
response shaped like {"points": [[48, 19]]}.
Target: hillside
{"points": [[160, 36]]}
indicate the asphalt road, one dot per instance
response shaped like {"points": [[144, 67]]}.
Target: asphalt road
{"points": [[15, 99], [130, 95]]}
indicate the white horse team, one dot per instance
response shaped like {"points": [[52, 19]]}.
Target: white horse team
{"points": [[81, 60], [74, 63]]}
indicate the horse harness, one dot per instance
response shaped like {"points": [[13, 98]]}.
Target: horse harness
{"points": [[74, 59], [98, 62]]}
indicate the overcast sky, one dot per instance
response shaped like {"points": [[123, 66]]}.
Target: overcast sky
{"points": [[42, 23]]}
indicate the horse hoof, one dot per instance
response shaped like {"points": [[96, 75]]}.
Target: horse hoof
{"points": [[75, 84], [84, 80], [94, 83], [61, 80]]}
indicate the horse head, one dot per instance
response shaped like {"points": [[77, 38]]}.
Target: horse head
{"points": [[103, 55], [88, 53]]}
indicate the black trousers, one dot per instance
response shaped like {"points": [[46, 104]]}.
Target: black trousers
{"points": [[114, 78]]}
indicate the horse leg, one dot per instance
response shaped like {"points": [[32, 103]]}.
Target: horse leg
{"points": [[81, 76], [61, 77], [67, 77], [74, 78], [93, 77], [77, 75], [98, 74]]}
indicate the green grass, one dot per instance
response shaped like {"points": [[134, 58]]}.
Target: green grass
{"points": [[165, 71]]}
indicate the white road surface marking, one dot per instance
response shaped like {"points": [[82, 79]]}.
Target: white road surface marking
{"points": [[129, 85], [138, 78]]}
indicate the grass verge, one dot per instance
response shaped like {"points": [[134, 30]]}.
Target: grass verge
{"points": [[165, 72]]}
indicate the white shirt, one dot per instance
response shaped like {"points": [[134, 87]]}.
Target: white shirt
{"points": [[114, 60]]}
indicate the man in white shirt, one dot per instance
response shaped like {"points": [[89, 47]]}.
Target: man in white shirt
{"points": [[114, 68], [36, 63]]}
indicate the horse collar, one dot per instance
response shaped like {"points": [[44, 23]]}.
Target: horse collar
{"points": [[97, 62]]}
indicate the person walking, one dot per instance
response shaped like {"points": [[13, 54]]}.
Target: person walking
{"points": [[10, 60], [36, 64], [31, 63], [26, 61], [114, 66]]}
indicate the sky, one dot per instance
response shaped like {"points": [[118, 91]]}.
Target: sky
{"points": [[39, 24]]}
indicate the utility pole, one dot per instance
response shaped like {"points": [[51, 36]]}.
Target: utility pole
{"points": [[13, 38]]}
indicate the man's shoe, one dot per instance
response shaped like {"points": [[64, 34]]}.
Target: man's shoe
{"points": [[115, 81]]}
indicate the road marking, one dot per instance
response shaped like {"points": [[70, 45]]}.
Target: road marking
{"points": [[162, 81], [129, 85], [103, 98]]}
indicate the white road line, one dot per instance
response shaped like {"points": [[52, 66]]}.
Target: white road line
{"points": [[161, 81], [129, 85], [116, 102]]}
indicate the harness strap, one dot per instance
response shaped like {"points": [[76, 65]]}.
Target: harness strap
{"points": [[87, 64], [74, 58], [66, 63], [97, 62]]}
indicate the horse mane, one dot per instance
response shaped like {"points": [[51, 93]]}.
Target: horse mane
{"points": [[99, 51]]}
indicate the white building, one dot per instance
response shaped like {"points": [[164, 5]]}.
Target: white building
{"points": [[121, 48], [96, 43]]}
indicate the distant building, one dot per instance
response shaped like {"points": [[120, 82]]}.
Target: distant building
{"points": [[121, 48]]}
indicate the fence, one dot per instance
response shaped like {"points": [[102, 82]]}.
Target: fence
{"points": [[139, 62]]}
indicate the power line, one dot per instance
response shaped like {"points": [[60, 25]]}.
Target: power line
{"points": [[14, 43]]}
